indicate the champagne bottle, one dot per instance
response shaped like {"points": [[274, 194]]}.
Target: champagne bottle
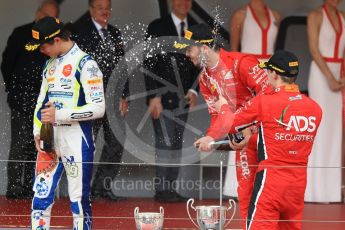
{"points": [[223, 145], [237, 137], [47, 137]]}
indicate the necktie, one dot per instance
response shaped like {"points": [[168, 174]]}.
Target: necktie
{"points": [[182, 29], [105, 33]]}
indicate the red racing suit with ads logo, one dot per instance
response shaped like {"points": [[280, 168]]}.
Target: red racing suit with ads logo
{"points": [[238, 79], [74, 84], [288, 124]]}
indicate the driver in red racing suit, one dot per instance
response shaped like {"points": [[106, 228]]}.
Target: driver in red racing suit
{"points": [[288, 124], [237, 78]]}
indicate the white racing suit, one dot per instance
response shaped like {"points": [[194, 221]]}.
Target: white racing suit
{"points": [[73, 83]]}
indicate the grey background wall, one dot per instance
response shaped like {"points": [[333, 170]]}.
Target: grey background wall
{"points": [[132, 17]]}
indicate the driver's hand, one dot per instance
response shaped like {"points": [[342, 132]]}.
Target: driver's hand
{"points": [[204, 144]]}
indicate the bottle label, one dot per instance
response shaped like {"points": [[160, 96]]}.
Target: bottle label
{"points": [[46, 146], [41, 144], [237, 137]]}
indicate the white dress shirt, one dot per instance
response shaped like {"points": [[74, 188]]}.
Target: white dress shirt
{"points": [[177, 23], [99, 28]]}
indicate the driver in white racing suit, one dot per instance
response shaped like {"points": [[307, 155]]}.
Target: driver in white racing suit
{"points": [[72, 87]]}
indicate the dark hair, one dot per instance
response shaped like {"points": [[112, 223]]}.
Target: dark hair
{"points": [[66, 31], [217, 43], [215, 46], [65, 34], [285, 79], [289, 80]]}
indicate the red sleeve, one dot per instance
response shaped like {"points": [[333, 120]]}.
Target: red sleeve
{"points": [[210, 100], [229, 122], [213, 127], [252, 76]]}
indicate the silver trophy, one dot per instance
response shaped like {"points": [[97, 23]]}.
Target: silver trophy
{"points": [[213, 216], [149, 220]]}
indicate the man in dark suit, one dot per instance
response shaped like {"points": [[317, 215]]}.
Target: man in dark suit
{"points": [[103, 41], [167, 106], [21, 70]]}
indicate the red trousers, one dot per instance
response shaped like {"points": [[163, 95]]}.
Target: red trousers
{"points": [[246, 167], [277, 201]]}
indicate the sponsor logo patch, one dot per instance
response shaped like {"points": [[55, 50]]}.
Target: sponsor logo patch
{"points": [[42, 188], [52, 70], [96, 88], [81, 115], [58, 105], [93, 71], [35, 34], [297, 97], [66, 83], [96, 94], [188, 34], [60, 94], [71, 167], [50, 79], [36, 215], [67, 70], [94, 81], [298, 123]]}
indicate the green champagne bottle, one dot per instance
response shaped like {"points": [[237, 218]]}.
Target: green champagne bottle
{"points": [[47, 138]]}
